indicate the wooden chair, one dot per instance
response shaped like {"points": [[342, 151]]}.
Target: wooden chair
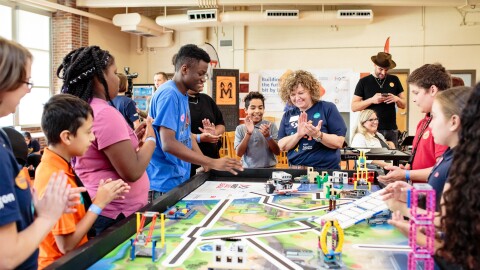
{"points": [[224, 149], [282, 160], [230, 145], [271, 119]]}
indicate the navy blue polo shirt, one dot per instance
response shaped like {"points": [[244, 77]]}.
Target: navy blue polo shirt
{"points": [[438, 176], [15, 196], [308, 152], [126, 106]]}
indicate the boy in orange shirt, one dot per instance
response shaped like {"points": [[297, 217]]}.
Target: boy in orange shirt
{"points": [[67, 124]]}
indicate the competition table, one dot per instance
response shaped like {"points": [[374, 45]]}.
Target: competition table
{"points": [[279, 229]]}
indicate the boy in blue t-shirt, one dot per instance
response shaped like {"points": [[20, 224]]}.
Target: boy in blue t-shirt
{"points": [[256, 140], [170, 163]]}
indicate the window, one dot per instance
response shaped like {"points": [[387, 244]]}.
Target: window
{"points": [[6, 22], [6, 32], [30, 28], [34, 33]]}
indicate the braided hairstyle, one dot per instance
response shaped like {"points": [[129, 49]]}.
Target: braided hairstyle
{"points": [[80, 66], [461, 220]]}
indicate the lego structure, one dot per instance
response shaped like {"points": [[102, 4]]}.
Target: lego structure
{"points": [[340, 177], [362, 176], [229, 253], [330, 256], [423, 220], [139, 245], [322, 179], [332, 194], [176, 212], [311, 175]]}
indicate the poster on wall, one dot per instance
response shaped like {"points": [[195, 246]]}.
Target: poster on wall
{"points": [[225, 85], [226, 90], [337, 84]]}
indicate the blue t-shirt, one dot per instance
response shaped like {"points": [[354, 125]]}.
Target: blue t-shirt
{"points": [[169, 107], [15, 196], [126, 106], [308, 152], [439, 175]]}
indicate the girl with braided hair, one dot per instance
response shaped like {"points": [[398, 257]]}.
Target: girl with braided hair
{"points": [[90, 74]]}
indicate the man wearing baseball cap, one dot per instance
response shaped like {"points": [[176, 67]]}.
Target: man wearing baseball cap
{"points": [[381, 92]]}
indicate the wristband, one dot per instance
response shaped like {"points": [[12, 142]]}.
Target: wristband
{"points": [[198, 138], [407, 175], [150, 138], [249, 133], [95, 209], [269, 138]]}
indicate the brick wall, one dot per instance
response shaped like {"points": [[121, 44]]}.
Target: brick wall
{"points": [[70, 31]]}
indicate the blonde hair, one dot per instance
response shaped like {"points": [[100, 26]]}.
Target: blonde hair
{"points": [[13, 59], [453, 100], [362, 118], [300, 77], [122, 87]]}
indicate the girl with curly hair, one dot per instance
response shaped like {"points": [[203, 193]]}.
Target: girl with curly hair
{"points": [[90, 74], [313, 131], [461, 208], [449, 121]]}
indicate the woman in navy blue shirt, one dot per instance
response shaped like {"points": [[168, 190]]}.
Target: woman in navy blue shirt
{"points": [[312, 131], [19, 232]]}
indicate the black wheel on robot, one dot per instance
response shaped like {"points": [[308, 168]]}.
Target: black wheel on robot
{"points": [[269, 188]]}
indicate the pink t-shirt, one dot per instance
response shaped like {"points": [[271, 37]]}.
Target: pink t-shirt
{"points": [[109, 127]]}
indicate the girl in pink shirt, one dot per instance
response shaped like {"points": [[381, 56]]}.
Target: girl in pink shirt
{"points": [[90, 74]]}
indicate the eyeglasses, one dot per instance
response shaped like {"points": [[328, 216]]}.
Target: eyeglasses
{"points": [[29, 84], [372, 120]]}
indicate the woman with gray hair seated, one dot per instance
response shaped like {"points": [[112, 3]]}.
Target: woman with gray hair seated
{"points": [[366, 135]]}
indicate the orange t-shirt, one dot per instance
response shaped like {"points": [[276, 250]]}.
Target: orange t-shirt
{"points": [[49, 164]]}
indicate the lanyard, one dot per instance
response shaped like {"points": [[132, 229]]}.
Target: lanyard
{"points": [[422, 131]]}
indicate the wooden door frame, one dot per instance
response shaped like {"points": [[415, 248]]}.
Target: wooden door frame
{"points": [[407, 72]]}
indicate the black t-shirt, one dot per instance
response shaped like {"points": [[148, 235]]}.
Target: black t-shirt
{"points": [[35, 145], [368, 86], [202, 106]]}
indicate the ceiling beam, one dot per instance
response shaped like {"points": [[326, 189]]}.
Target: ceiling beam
{"points": [[197, 3]]}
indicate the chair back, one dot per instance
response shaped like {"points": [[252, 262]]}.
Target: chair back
{"points": [[282, 160], [224, 149], [230, 145], [270, 119]]}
